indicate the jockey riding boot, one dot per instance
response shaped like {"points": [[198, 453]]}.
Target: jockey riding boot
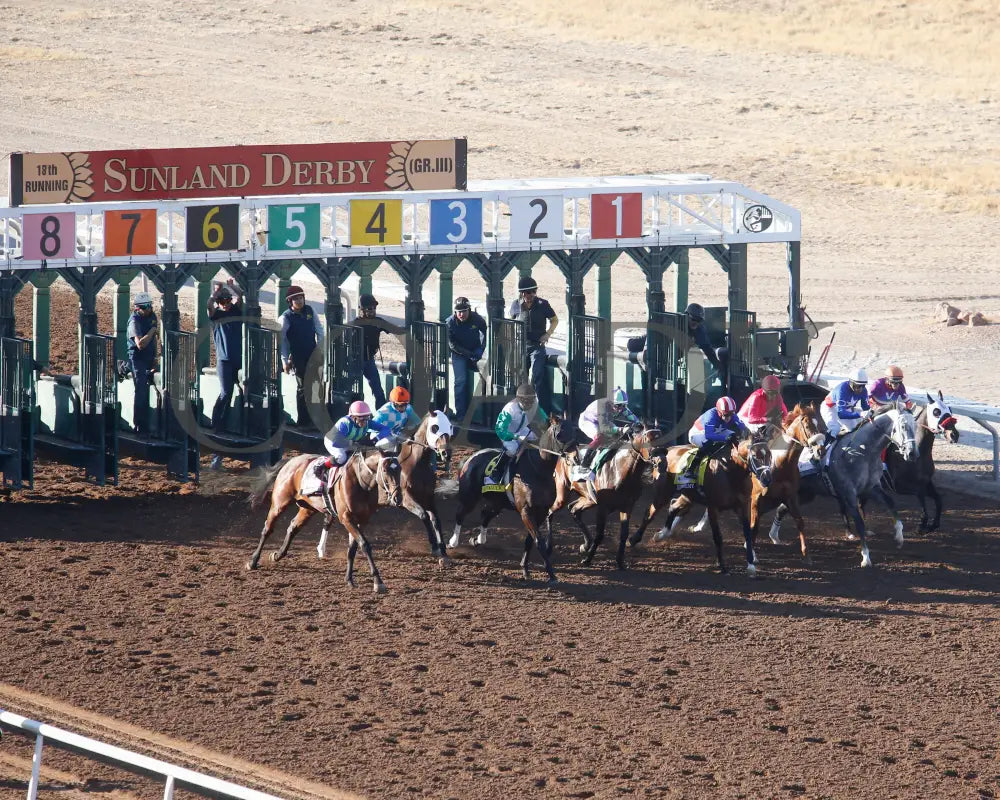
{"points": [[690, 475], [321, 468]]}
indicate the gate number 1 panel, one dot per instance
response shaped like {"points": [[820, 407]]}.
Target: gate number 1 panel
{"points": [[49, 235], [536, 219], [616, 216], [130, 232], [293, 227], [457, 221], [212, 228]]}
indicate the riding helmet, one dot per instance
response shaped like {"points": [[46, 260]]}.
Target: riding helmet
{"points": [[620, 397], [399, 394], [359, 408], [695, 312], [858, 376], [367, 301], [725, 405], [526, 391], [143, 299], [527, 284], [294, 291], [771, 383], [892, 371]]}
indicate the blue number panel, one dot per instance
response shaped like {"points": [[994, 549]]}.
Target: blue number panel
{"points": [[457, 221]]}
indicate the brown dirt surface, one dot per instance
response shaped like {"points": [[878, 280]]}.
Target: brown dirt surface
{"points": [[668, 680]]}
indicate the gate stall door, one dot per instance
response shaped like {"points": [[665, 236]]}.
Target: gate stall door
{"points": [[589, 352], [99, 423], [262, 389], [344, 364], [428, 358], [666, 368], [742, 356], [17, 418], [508, 356], [181, 403]]}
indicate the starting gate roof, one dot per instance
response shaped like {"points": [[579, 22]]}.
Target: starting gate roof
{"points": [[516, 215]]}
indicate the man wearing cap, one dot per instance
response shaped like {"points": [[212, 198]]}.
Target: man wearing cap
{"points": [[142, 348], [225, 309], [301, 333], [699, 333], [467, 341], [373, 327], [539, 322]]}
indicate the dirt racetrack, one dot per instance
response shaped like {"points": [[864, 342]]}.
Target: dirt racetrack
{"points": [[668, 680]]}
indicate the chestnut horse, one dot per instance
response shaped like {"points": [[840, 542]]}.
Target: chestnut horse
{"points": [[354, 495], [617, 486], [727, 486], [803, 429]]}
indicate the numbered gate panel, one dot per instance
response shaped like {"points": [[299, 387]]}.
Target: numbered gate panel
{"points": [[536, 220], [130, 232], [456, 220], [616, 216], [376, 223], [294, 227], [49, 235], [212, 227]]}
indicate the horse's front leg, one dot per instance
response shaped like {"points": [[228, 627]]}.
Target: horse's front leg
{"points": [[883, 497], [352, 551], [779, 515], [357, 536], [434, 537], [676, 511], [600, 521], [800, 523], [748, 543], [933, 492], [321, 549], [272, 516], [622, 538], [576, 511], [713, 520], [293, 528], [533, 526]]}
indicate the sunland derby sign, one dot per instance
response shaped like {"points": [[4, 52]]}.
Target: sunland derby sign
{"points": [[243, 171]]}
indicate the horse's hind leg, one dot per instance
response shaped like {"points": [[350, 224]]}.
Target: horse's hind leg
{"points": [[678, 508], [352, 551], [293, 528], [487, 514], [272, 515], [600, 522], [933, 492], [622, 537], [534, 526], [713, 520], [576, 511], [775, 532]]}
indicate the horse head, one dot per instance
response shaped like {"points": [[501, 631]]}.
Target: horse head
{"points": [[438, 431], [805, 426], [903, 433], [754, 453], [559, 435], [388, 473], [940, 419]]}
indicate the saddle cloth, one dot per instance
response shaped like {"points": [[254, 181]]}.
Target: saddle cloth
{"points": [[683, 480], [580, 473], [498, 483], [311, 482]]}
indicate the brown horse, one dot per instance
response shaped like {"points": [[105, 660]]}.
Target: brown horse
{"points": [[531, 494], [727, 486], [803, 429], [355, 495], [418, 476], [617, 486]]}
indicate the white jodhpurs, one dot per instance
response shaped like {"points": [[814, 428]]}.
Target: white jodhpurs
{"points": [[696, 437], [511, 447], [834, 423], [589, 428]]}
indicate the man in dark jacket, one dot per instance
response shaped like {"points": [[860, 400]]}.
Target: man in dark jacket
{"points": [[301, 333], [225, 309], [373, 328], [467, 341], [142, 349], [697, 331], [540, 321]]}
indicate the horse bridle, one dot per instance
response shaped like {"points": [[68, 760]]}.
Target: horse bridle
{"points": [[789, 434], [381, 478], [752, 463]]}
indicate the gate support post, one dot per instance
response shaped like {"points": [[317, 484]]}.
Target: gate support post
{"points": [[738, 276], [494, 267], [365, 268], [86, 282], [250, 277], [332, 272], [602, 283], [681, 258], [794, 285], [654, 262], [203, 275], [41, 313], [413, 270], [123, 308], [446, 266], [10, 287]]}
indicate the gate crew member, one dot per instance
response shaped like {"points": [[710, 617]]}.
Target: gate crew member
{"points": [[843, 406], [540, 321], [716, 426], [888, 389], [467, 341], [764, 406], [514, 429], [301, 332], [373, 331], [142, 348], [225, 312], [697, 331], [397, 416], [600, 422]]}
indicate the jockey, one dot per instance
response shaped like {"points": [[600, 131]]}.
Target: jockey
{"points": [[397, 415], [887, 390], [514, 427], [764, 406], [715, 426], [843, 406], [599, 421], [348, 433]]}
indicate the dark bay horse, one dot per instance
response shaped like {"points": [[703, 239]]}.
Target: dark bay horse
{"points": [[532, 492], [803, 430], [917, 476], [418, 476], [727, 486], [354, 495], [616, 488]]}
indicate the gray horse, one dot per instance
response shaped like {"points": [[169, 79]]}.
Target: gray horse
{"points": [[855, 470]]}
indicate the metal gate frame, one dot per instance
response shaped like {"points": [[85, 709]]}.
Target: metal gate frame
{"points": [[344, 366], [508, 356], [589, 351], [741, 368], [666, 368], [99, 409], [17, 415], [427, 353], [262, 415], [181, 401]]}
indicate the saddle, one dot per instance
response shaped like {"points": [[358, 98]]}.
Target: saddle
{"points": [[578, 472], [317, 479], [685, 481]]}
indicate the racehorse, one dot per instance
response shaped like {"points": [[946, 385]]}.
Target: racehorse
{"points": [[917, 476], [418, 475], [531, 494], [354, 495], [803, 429], [855, 471], [617, 486], [727, 486]]}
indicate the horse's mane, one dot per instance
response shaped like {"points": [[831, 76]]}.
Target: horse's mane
{"points": [[800, 410]]}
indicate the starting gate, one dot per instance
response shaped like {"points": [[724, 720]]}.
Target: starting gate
{"points": [[742, 358], [508, 356], [665, 376], [17, 424], [100, 407], [344, 365], [262, 416], [428, 359], [181, 399], [589, 351]]}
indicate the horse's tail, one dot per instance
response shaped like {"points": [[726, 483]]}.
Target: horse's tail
{"points": [[263, 482]]}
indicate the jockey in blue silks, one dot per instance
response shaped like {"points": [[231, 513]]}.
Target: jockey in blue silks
{"points": [[846, 404]]}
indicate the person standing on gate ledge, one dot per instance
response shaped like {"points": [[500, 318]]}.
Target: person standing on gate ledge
{"points": [[373, 327], [699, 333], [301, 333], [143, 340], [467, 341], [540, 321], [225, 309]]}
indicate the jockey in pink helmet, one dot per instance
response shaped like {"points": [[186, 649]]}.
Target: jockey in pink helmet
{"points": [[764, 406], [348, 432]]}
